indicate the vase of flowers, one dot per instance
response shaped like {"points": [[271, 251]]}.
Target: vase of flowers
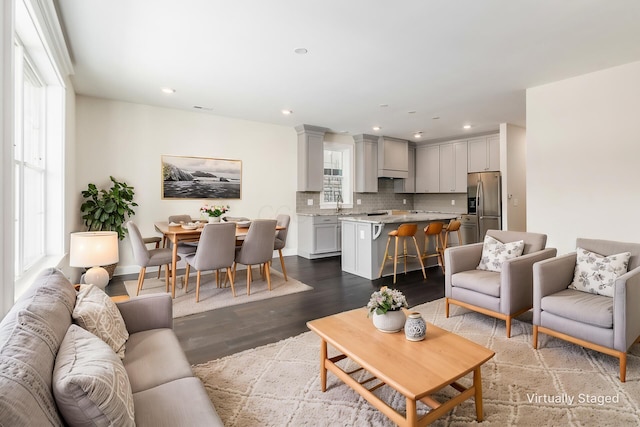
{"points": [[385, 307], [213, 212]]}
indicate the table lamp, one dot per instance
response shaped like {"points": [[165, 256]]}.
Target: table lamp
{"points": [[94, 249]]}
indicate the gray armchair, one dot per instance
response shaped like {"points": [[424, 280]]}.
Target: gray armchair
{"points": [[606, 324], [503, 295]]}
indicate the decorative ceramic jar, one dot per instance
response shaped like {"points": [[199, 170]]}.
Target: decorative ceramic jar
{"points": [[391, 321], [214, 219], [415, 328]]}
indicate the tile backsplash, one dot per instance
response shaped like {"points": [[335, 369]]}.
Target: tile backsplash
{"points": [[387, 199]]}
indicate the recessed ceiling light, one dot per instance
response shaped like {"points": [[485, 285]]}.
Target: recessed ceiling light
{"points": [[377, 128], [417, 135], [301, 51], [411, 112], [467, 126], [200, 107], [435, 117], [287, 112], [168, 90]]}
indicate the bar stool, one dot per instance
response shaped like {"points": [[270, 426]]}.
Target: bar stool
{"points": [[404, 231], [434, 230], [454, 225]]}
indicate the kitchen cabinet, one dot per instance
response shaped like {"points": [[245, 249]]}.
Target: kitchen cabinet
{"points": [[366, 163], [453, 167], [310, 157], [319, 236], [407, 185], [428, 169], [393, 157], [484, 154]]}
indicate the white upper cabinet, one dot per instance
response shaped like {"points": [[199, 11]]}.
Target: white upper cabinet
{"points": [[484, 154], [310, 157], [453, 167], [366, 163], [393, 157], [428, 169]]}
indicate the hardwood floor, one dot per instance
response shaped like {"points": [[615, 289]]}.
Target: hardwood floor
{"points": [[217, 333]]}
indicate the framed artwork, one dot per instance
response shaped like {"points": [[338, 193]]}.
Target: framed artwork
{"points": [[201, 178]]}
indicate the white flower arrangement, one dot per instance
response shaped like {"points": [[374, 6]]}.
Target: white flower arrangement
{"points": [[214, 210], [386, 300]]}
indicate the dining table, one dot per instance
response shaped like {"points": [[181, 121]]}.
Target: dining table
{"points": [[176, 233]]}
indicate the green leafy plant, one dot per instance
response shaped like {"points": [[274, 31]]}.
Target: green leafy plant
{"points": [[108, 210]]}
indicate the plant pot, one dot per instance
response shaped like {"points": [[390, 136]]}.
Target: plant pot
{"points": [[214, 219], [391, 321]]}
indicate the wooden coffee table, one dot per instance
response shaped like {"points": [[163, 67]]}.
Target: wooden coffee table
{"points": [[416, 370]]}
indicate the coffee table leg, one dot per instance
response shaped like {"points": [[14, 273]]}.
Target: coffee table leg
{"points": [[477, 384], [412, 414], [323, 368]]}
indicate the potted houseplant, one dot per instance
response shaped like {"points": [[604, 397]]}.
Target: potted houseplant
{"points": [[214, 212], [385, 306], [108, 210]]}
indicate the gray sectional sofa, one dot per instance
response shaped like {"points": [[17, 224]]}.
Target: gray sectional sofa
{"points": [[163, 387]]}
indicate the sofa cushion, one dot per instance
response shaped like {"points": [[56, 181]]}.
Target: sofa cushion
{"points": [[597, 273], [154, 357], [90, 383], [482, 281], [494, 253], [580, 306], [98, 314], [30, 335], [184, 402]]}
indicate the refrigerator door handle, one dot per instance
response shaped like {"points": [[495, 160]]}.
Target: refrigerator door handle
{"points": [[478, 209]]}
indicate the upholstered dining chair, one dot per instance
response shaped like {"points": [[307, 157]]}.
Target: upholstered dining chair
{"points": [[257, 249], [216, 250], [145, 257], [282, 220], [482, 278], [590, 298], [184, 248]]}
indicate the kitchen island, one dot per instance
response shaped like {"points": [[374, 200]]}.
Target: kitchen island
{"points": [[364, 239]]}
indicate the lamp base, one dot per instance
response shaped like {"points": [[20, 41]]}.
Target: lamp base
{"points": [[97, 276]]}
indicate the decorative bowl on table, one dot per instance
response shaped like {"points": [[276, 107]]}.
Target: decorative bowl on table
{"points": [[190, 225], [243, 224]]}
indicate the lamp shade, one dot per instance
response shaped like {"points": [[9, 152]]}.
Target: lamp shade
{"points": [[93, 248]]}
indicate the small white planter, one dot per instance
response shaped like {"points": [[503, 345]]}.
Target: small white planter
{"points": [[391, 321], [214, 219]]}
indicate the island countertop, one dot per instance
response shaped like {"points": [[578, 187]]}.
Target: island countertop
{"points": [[399, 219]]}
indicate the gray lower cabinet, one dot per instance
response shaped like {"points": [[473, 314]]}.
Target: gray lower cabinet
{"points": [[318, 236]]}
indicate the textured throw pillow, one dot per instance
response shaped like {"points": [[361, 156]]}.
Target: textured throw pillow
{"points": [[597, 273], [98, 314], [90, 383], [494, 253]]}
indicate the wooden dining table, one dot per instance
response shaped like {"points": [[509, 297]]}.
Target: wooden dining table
{"points": [[176, 234]]}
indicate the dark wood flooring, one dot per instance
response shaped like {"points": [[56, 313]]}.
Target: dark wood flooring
{"points": [[217, 333]]}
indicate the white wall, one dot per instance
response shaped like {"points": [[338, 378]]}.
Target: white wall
{"points": [[583, 157], [127, 140], [514, 181]]}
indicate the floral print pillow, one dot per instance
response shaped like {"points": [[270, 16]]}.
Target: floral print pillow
{"points": [[494, 253], [597, 273]]}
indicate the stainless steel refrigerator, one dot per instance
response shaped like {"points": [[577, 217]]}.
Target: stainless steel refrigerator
{"points": [[484, 206]]}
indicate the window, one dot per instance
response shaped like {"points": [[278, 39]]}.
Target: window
{"points": [[337, 183]]}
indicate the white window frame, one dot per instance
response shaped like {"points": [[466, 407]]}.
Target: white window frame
{"points": [[348, 175]]}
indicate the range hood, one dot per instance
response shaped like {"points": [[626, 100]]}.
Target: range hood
{"points": [[393, 157]]}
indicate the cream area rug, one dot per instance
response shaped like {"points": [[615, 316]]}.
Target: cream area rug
{"points": [[212, 297], [558, 385]]}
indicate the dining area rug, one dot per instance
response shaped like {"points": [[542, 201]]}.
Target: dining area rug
{"points": [[212, 297], [560, 384]]}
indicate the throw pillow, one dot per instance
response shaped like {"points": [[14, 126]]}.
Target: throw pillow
{"points": [[495, 253], [98, 314], [90, 383], [596, 274]]}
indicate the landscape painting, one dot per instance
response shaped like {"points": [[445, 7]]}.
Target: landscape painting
{"points": [[201, 178]]}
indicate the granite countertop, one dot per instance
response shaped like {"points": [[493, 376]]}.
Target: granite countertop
{"points": [[398, 219]]}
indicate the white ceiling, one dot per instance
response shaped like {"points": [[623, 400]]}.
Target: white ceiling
{"points": [[464, 61]]}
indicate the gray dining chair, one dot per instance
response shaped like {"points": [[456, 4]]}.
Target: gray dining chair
{"points": [[257, 249], [184, 248], [216, 250], [145, 257], [281, 239]]}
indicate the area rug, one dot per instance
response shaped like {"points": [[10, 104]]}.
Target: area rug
{"points": [[559, 384], [212, 297]]}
